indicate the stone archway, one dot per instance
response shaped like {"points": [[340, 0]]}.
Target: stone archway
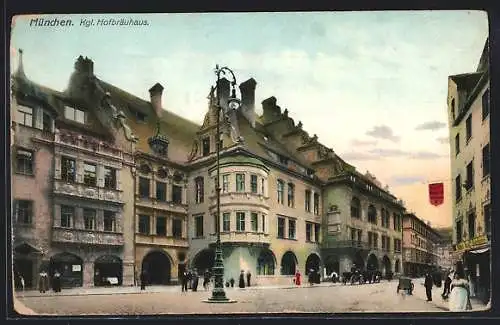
{"points": [[158, 267], [386, 263], [313, 262], [332, 264], [266, 262], [108, 270], [358, 261], [288, 263], [71, 268], [204, 260], [372, 263]]}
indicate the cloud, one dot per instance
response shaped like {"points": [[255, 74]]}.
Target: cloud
{"points": [[357, 142], [383, 132], [357, 156], [380, 153], [443, 140], [406, 180], [424, 155], [431, 125], [388, 152]]}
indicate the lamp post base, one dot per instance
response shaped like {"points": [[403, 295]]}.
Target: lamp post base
{"points": [[211, 300]]}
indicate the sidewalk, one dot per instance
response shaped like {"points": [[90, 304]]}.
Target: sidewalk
{"points": [[438, 301], [149, 289]]}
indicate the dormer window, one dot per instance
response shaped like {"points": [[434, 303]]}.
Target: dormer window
{"points": [[206, 146], [140, 116], [74, 114]]}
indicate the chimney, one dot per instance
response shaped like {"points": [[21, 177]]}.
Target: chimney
{"points": [[223, 89], [247, 90], [20, 67], [155, 94], [84, 66], [271, 110]]}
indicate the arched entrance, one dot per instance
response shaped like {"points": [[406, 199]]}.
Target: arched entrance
{"points": [[288, 263], [204, 260], [266, 262], [71, 268], [372, 263], [332, 264], [358, 261], [312, 263], [25, 256], [108, 270], [397, 266], [157, 266], [386, 262]]}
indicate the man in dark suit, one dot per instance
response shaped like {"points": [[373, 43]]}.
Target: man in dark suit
{"points": [[428, 285]]}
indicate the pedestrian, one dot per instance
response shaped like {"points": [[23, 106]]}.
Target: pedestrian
{"points": [[190, 279], [249, 275], [43, 281], [21, 280], [459, 299], [297, 278], [184, 281], [447, 285], [56, 281], [194, 286], [231, 282], [310, 277], [428, 282], [242, 279], [206, 279], [144, 279]]}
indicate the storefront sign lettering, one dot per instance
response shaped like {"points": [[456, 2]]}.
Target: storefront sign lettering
{"points": [[471, 243]]}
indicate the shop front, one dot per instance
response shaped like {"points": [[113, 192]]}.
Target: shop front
{"points": [[475, 255]]}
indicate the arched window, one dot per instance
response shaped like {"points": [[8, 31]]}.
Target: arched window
{"points": [[355, 208], [200, 189], [372, 214]]}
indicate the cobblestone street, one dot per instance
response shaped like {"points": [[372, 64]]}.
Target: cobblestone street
{"points": [[327, 298]]}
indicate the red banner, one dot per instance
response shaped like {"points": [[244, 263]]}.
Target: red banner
{"points": [[436, 193]]}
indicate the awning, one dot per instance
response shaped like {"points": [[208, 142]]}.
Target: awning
{"points": [[479, 251]]}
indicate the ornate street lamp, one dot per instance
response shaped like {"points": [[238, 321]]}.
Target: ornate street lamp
{"points": [[218, 293]]}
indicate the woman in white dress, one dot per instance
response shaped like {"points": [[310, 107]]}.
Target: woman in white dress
{"points": [[459, 299]]}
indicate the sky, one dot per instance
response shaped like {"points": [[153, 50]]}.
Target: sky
{"points": [[371, 85]]}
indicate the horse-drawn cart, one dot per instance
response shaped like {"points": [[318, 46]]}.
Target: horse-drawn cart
{"points": [[406, 284]]}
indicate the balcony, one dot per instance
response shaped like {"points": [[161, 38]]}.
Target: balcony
{"points": [[83, 236], [161, 240], [88, 192], [152, 203], [244, 237], [241, 198]]}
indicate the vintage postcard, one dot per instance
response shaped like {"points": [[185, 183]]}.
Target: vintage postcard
{"points": [[222, 163]]}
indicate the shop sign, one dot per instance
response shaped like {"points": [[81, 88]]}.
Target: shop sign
{"points": [[471, 243], [76, 268]]}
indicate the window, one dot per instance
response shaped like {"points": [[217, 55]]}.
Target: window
{"points": [[486, 104], [281, 189], [161, 191], [89, 218], [487, 219], [307, 203], [110, 178], [469, 183], [459, 231], [144, 187], [25, 115], [453, 108], [291, 195], [360, 233], [317, 228], [68, 170], [383, 242], [354, 232], [67, 214], [24, 212], [468, 128], [176, 194], [471, 222], [375, 240], [200, 189], [458, 188], [395, 221], [225, 183], [140, 116], [309, 231], [388, 243], [74, 114], [89, 174], [240, 182], [253, 183], [262, 182], [372, 214], [226, 221], [198, 226], [144, 227], [110, 221], [24, 162], [177, 228], [161, 226], [316, 203], [46, 122], [457, 144], [291, 229], [206, 146], [355, 208], [281, 227], [486, 160], [264, 223], [240, 221], [216, 222], [253, 222]]}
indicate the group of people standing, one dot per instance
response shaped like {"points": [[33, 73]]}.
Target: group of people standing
{"points": [[43, 281], [190, 280]]}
